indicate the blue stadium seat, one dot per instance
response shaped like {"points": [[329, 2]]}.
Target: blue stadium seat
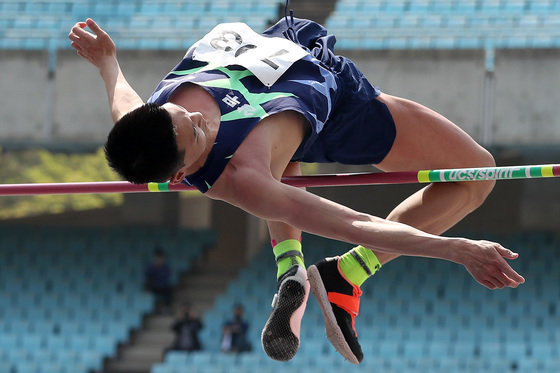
{"points": [[490, 349], [395, 6], [58, 7], [201, 358], [463, 349], [514, 6], [11, 7], [93, 360], [162, 368], [30, 342], [490, 6], [466, 6], [125, 9], [177, 358], [390, 349], [6, 366], [52, 368], [26, 367], [104, 345], [414, 349], [78, 343], [419, 6], [543, 350], [516, 350]]}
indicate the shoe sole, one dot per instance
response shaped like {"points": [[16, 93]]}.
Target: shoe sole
{"points": [[277, 338], [334, 333]]}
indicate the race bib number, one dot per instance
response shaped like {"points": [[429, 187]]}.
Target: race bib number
{"points": [[237, 44]]}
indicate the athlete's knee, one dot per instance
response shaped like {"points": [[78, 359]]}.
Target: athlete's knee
{"points": [[480, 190]]}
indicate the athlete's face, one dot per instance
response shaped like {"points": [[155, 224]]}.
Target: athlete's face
{"points": [[190, 129]]}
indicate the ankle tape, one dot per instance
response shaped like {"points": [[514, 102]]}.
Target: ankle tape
{"points": [[288, 254], [361, 262]]}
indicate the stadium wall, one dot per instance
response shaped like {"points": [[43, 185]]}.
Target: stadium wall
{"points": [[451, 82]]}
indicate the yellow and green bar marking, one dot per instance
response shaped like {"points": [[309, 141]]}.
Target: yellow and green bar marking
{"points": [[158, 187], [489, 173]]}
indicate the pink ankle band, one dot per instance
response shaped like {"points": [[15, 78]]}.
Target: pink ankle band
{"points": [[274, 243]]}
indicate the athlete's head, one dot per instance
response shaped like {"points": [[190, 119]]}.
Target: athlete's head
{"points": [[155, 143], [142, 145]]}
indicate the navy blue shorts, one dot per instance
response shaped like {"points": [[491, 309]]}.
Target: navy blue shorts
{"points": [[360, 129]]}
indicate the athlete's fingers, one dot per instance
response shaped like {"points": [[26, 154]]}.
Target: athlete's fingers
{"points": [[511, 273], [509, 281], [506, 253], [506, 268], [497, 281], [506, 280], [79, 25], [83, 34], [76, 26], [75, 39], [93, 26], [76, 46], [488, 284]]}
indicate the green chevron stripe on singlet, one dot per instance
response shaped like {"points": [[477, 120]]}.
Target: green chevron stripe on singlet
{"points": [[233, 82]]}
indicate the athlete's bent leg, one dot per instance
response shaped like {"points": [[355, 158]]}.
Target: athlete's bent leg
{"points": [[427, 140]]}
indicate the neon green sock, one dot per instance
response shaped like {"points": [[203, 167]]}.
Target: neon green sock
{"points": [[287, 253], [359, 264]]}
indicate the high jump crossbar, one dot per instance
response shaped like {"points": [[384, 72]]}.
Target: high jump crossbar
{"points": [[369, 178]]}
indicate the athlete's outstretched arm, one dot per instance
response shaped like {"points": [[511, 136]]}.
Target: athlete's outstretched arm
{"points": [[100, 51], [272, 200]]}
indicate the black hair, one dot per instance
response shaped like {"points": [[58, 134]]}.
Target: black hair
{"points": [[142, 146]]}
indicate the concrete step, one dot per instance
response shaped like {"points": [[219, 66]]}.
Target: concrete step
{"points": [[213, 269], [141, 354], [128, 367], [155, 338], [206, 281], [201, 305], [199, 295], [159, 322]]}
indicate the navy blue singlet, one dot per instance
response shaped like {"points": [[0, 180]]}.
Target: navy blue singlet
{"points": [[347, 124]]}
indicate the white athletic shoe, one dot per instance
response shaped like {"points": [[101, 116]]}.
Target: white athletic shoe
{"points": [[280, 336]]}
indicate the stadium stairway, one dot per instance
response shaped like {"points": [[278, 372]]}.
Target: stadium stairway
{"points": [[207, 279]]}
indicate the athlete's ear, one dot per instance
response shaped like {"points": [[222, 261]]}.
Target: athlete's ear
{"points": [[177, 177]]}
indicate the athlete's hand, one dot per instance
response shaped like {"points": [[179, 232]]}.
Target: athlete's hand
{"points": [[96, 48], [485, 262]]}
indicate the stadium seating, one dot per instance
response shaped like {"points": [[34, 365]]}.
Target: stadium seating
{"points": [[68, 297], [417, 315], [134, 24], [358, 24], [445, 24]]}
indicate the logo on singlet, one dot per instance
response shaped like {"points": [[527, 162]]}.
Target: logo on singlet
{"points": [[231, 101], [247, 110]]}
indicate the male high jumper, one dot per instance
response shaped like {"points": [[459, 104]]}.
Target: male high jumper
{"points": [[241, 109]]}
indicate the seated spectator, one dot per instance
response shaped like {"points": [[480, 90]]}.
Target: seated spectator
{"points": [[157, 281], [186, 329], [234, 332]]}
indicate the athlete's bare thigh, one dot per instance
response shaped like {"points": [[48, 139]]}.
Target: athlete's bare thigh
{"points": [[427, 140]]}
